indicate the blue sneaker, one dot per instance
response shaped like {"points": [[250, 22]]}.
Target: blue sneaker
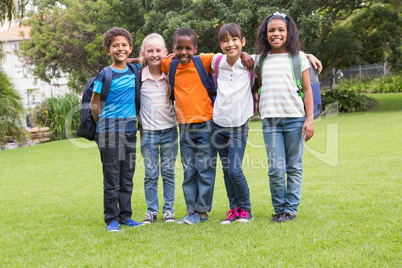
{"points": [[196, 218], [132, 223], [113, 226], [184, 218]]}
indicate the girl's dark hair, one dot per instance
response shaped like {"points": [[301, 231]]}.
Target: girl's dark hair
{"points": [[185, 32], [230, 28], [116, 31], [292, 41]]}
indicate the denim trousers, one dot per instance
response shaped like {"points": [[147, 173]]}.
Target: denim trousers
{"points": [[159, 146], [230, 142], [198, 157], [284, 145], [118, 154]]}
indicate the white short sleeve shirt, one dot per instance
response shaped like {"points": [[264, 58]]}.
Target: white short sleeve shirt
{"points": [[234, 101]]}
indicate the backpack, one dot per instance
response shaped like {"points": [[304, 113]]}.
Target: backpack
{"points": [[255, 94], [298, 78], [87, 126], [208, 81]]}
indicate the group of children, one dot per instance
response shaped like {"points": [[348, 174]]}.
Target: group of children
{"points": [[205, 128]]}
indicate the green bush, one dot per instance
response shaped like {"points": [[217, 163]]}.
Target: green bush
{"points": [[384, 84], [53, 113], [348, 101]]}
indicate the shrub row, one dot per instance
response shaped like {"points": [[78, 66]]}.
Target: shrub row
{"points": [[384, 84]]}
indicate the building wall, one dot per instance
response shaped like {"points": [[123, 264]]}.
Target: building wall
{"points": [[22, 78]]}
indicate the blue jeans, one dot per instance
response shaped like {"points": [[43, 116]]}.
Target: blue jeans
{"points": [[118, 154], [230, 143], [198, 157], [163, 144], [284, 144]]}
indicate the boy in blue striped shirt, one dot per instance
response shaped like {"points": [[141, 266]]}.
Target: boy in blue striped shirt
{"points": [[116, 130]]}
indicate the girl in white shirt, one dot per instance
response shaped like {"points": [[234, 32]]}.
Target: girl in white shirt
{"points": [[287, 118], [159, 139], [232, 109]]}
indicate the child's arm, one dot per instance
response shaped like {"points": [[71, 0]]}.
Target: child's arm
{"points": [[95, 108], [308, 126], [315, 62], [247, 61]]}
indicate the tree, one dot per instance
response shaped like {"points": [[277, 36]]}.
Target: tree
{"points": [[12, 9], [67, 35], [10, 109]]}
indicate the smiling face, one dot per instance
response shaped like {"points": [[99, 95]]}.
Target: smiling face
{"points": [[184, 49], [154, 52], [277, 34], [232, 46], [119, 50]]}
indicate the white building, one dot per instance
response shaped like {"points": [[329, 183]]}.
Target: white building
{"points": [[20, 74]]}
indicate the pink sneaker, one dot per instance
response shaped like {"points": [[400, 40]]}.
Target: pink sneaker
{"points": [[244, 216], [231, 216]]}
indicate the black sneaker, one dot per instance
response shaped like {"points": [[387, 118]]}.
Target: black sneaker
{"points": [[286, 216], [149, 218], [276, 217]]}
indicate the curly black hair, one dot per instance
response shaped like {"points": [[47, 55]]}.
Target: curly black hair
{"points": [[292, 41], [116, 31], [185, 32]]}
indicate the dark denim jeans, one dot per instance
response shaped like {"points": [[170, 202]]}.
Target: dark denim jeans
{"points": [[159, 145], [198, 157], [284, 144], [117, 150], [230, 143]]}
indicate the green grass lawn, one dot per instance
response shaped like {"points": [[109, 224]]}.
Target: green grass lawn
{"points": [[51, 210]]}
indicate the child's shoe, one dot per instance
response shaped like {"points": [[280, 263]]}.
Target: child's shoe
{"points": [[149, 218], [168, 216], [244, 216], [287, 216], [196, 218], [276, 217], [231, 216], [184, 218], [113, 226], [132, 223]]}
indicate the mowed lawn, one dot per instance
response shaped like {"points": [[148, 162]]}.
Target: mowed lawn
{"points": [[51, 209]]}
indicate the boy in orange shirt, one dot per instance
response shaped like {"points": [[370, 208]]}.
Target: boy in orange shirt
{"points": [[194, 112]]}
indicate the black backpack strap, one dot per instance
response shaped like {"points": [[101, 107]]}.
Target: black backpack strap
{"points": [[137, 74], [172, 73], [201, 71], [107, 83]]}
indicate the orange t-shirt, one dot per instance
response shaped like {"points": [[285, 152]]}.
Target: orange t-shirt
{"points": [[193, 104]]}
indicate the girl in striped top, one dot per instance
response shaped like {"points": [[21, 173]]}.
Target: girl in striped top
{"points": [[287, 118]]}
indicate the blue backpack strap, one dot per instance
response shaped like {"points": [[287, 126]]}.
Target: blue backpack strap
{"points": [[137, 74], [201, 71], [107, 83], [172, 73]]}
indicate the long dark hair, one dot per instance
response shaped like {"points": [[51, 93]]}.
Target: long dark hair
{"points": [[292, 44]]}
